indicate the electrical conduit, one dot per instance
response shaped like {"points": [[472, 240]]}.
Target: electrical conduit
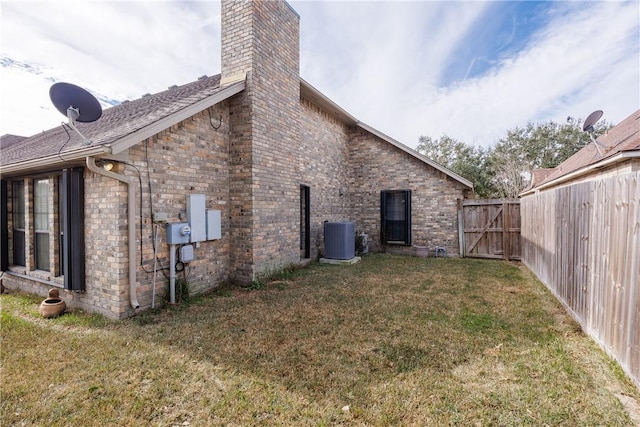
{"points": [[131, 200]]}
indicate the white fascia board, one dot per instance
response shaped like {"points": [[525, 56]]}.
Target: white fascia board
{"points": [[415, 154], [623, 155], [140, 135]]}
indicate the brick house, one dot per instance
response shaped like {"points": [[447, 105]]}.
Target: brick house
{"points": [[269, 153]]}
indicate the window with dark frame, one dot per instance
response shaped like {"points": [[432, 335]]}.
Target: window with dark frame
{"points": [[64, 193], [395, 212]]}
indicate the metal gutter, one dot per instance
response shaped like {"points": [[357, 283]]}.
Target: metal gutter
{"points": [[131, 210], [624, 155], [49, 161]]}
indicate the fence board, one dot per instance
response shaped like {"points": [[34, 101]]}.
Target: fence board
{"points": [[583, 243]]}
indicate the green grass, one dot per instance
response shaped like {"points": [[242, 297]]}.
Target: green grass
{"points": [[388, 341]]}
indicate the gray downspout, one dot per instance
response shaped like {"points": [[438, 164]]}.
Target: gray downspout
{"points": [[131, 195]]}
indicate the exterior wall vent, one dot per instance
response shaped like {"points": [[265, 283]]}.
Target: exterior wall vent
{"points": [[339, 240]]}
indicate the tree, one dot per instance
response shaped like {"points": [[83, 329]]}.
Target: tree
{"points": [[544, 145], [506, 169], [465, 160]]}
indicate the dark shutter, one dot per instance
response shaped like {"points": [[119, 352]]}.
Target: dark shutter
{"points": [[73, 237], [4, 227], [305, 221], [395, 212]]}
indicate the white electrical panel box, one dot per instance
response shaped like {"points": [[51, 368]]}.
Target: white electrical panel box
{"points": [[214, 225], [196, 216], [178, 233]]}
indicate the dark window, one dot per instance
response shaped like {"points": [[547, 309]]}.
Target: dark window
{"points": [[18, 218], [395, 211]]}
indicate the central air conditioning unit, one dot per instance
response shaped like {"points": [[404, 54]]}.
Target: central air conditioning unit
{"points": [[339, 240]]}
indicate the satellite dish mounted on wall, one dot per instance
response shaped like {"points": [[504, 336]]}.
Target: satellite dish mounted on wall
{"points": [[77, 104], [588, 127]]}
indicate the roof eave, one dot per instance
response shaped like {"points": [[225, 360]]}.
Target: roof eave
{"points": [[122, 144], [619, 157], [54, 160], [319, 98], [417, 155], [323, 101], [134, 138]]}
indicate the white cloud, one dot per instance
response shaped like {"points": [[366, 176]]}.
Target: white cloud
{"points": [[388, 63], [120, 50], [381, 61], [586, 58]]}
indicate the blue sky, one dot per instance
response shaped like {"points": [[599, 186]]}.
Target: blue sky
{"points": [[471, 70]]}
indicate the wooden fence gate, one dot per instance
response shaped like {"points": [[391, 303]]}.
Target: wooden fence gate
{"points": [[489, 228]]}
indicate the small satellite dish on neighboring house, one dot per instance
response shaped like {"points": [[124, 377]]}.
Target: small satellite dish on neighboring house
{"points": [[76, 103], [591, 120], [588, 127]]}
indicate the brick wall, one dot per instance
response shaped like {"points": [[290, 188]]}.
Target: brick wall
{"points": [[378, 165], [188, 158], [324, 167], [261, 38], [106, 256]]}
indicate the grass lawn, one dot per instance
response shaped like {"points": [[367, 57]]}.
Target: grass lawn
{"points": [[391, 340]]}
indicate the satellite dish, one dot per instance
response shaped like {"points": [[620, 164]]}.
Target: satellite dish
{"points": [[588, 127], [77, 104], [591, 120]]}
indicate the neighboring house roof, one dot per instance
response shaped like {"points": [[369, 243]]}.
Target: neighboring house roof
{"points": [[130, 122], [7, 140], [119, 128], [539, 175], [620, 142]]}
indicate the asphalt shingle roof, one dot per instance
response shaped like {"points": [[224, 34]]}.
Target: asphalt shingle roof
{"points": [[623, 137], [116, 122], [8, 140]]}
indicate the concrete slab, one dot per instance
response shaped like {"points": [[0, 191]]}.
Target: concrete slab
{"points": [[340, 261]]}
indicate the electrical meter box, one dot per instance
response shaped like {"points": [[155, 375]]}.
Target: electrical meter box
{"points": [[178, 233], [196, 217]]}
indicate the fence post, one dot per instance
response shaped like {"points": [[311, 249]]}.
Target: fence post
{"points": [[460, 229]]}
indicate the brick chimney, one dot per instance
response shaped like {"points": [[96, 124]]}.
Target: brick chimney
{"points": [[262, 39]]}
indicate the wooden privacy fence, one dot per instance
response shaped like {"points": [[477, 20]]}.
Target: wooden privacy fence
{"points": [[583, 243], [489, 228]]}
